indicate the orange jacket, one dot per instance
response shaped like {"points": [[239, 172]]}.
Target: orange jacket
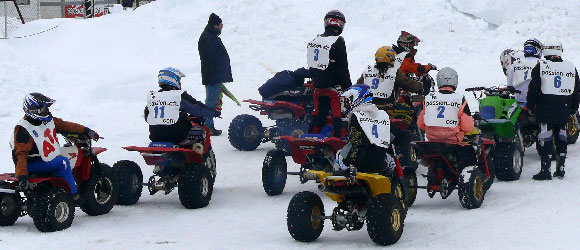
{"points": [[410, 66], [445, 134], [23, 146]]}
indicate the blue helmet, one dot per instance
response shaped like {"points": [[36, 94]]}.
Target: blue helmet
{"points": [[533, 47], [36, 105], [355, 96], [170, 77]]}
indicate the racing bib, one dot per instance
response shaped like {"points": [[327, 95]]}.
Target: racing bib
{"points": [[318, 51], [442, 110], [380, 86], [163, 107], [377, 129], [522, 72], [44, 137], [558, 78], [399, 59]]}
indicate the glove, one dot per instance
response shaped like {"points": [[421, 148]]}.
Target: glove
{"points": [[477, 116], [23, 184], [217, 113], [433, 67], [93, 135], [351, 174]]}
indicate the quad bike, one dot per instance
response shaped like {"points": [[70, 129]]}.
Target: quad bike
{"points": [[500, 114], [361, 197], [446, 173], [50, 202], [190, 166], [292, 112]]}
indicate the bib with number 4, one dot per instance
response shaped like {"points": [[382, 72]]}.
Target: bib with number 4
{"points": [[377, 129], [558, 78], [442, 110], [44, 137], [380, 86], [163, 107], [318, 51]]}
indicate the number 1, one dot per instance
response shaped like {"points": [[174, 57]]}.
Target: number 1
{"points": [[375, 132], [526, 75]]}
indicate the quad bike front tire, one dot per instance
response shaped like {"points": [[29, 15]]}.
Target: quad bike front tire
{"points": [[471, 188], [195, 187], [304, 218], [572, 131], [401, 191], [9, 209], [508, 160], [245, 132], [385, 220], [100, 192], [411, 181], [130, 182], [53, 210], [288, 127], [274, 172]]}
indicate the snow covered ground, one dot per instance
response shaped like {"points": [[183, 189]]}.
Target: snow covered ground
{"points": [[100, 70]]}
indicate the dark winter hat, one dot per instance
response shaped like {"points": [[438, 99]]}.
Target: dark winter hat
{"points": [[214, 19]]}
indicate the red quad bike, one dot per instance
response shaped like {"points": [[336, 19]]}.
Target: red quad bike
{"points": [[292, 112], [190, 166], [446, 172], [50, 202]]}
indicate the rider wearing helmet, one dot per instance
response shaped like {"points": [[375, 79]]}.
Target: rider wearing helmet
{"points": [[553, 97], [35, 146], [168, 109], [328, 66], [519, 72], [405, 59], [445, 116]]}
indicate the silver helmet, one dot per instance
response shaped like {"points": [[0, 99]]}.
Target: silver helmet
{"points": [[447, 77]]}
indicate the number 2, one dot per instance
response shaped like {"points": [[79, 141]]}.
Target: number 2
{"points": [[316, 52], [526, 75], [375, 132], [157, 108], [375, 83], [441, 110], [557, 81]]}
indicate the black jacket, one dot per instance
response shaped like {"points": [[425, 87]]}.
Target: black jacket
{"points": [[364, 155], [337, 73], [551, 109], [283, 81], [215, 61]]}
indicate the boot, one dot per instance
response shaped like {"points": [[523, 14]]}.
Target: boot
{"points": [[78, 200], [215, 132], [544, 173], [560, 167]]}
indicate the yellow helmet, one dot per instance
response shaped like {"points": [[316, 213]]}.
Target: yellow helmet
{"points": [[385, 54]]}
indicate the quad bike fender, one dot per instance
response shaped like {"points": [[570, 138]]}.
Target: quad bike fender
{"points": [[149, 153], [267, 106], [377, 184], [301, 147], [52, 181]]}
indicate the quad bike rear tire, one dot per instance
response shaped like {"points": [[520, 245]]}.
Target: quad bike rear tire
{"points": [[385, 220], [471, 188], [130, 182], [53, 210], [274, 172], [195, 187], [9, 209], [288, 127], [100, 192], [411, 181], [304, 218], [508, 160], [572, 131], [245, 132]]}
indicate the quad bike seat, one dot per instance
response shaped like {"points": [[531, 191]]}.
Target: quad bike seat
{"points": [[41, 175], [488, 115]]}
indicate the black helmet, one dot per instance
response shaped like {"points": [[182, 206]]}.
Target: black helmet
{"points": [[36, 105], [533, 47], [334, 18]]}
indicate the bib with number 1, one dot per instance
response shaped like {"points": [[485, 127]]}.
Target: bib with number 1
{"points": [[380, 86], [442, 110], [318, 51], [377, 129], [558, 78], [163, 107], [44, 137]]}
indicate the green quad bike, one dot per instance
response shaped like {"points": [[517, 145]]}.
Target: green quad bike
{"points": [[499, 112]]}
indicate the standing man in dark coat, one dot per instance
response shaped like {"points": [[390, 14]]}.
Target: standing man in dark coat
{"points": [[215, 66]]}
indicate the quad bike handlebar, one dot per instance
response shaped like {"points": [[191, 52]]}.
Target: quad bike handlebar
{"points": [[503, 92]]}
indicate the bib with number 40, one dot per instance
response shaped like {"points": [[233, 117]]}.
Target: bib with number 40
{"points": [[44, 137]]}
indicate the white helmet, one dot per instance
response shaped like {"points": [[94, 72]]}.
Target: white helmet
{"points": [[552, 47], [447, 77]]}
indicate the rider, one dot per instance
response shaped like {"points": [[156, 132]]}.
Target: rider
{"points": [[405, 59], [328, 66], [169, 108], [519, 72], [446, 116], [553, 92], [39, 127]]}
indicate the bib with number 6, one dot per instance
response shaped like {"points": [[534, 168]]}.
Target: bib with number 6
{"points": [[44, 137], [377, 129], [318, 51], [442, 110], [380, 86], [163, 107], [558, 78]]}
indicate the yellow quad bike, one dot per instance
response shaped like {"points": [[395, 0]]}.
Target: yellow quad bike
{"points": [[367, 197]]}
